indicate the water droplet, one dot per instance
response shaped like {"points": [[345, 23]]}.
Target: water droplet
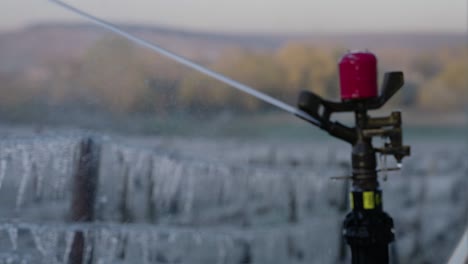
{"points": [[400, 165]]}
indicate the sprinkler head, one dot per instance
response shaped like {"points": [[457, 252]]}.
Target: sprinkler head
{"points": [[358, 75]]}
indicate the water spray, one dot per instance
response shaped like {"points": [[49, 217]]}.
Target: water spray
{"points": [[367, 228], [188, 63]]}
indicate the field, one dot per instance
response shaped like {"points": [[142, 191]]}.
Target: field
{"points": [[167, 199], [110, 153]]}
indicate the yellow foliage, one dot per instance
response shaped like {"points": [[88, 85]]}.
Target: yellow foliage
{"points": [[308, 68], [120, 77]]}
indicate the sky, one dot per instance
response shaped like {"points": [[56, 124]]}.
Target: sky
{"points": [[256, 16]]}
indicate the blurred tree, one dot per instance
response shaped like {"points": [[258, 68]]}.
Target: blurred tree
{"points": [[407, 97], [60, 87], [197, 90], [160, 97], [447, 90], [426, 66], [116, 76], [258, 70], [255, 69], [454, 76], [112, 74], [310, 68], [15, 90], [433, 95]]}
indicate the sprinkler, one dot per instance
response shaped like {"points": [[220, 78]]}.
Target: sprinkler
{"points": [[367, 229]]}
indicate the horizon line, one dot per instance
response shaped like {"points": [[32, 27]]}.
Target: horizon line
{"points": [[234, 32]]}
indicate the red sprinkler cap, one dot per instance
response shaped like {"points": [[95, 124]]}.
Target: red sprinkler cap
{"points": [[358, 75]]}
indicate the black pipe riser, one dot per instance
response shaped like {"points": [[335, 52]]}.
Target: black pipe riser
{"points": [[367, 221]]}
